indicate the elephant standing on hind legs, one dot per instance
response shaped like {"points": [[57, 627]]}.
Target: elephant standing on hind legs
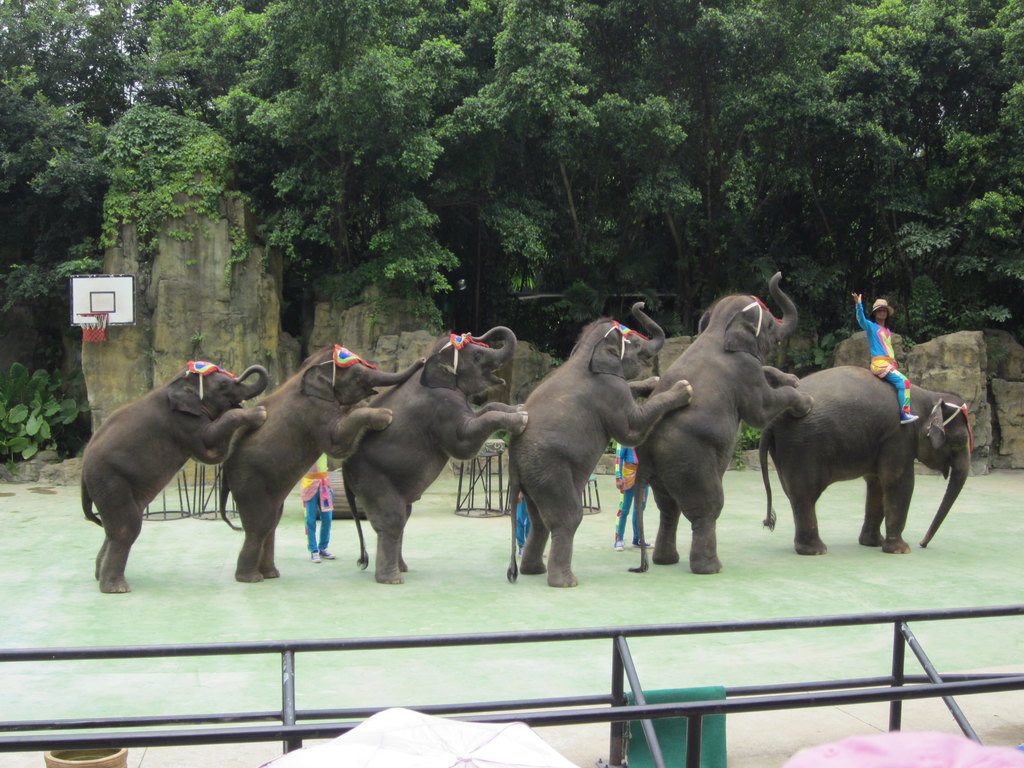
{"points": [[137, 451], [433, 421], [574, 412], [309, 415], [855, 431], [687, 453]]}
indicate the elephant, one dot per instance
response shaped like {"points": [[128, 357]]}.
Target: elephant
{"points": [[309, 415], [853, 431], [574, 411], [432, 422], [137, 451], [686, 454]]}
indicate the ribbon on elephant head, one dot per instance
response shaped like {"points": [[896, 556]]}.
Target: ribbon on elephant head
{"points": [[624, 333], [961, 409], [761, 309], [203, 369], [459, 341], [343, 358]]}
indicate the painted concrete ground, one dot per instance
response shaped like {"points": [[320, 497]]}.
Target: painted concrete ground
{"points": [[181, 572]]}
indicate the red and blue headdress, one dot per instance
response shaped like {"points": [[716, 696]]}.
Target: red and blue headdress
{"points": [[459, 341], [344, 358], [203, 369], [624, 334]]}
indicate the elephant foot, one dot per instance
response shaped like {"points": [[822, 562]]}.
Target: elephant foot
{"points": [[403, 567], [532, 567], [665, 557], [390, 578], [896, 547], [271, 573], [814, 547], [248, 577], [562, 580], [871, 539], [705, 565], [115, 587]]}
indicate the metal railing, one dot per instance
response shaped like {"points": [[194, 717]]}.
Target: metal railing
{"points": [[292, 726]]}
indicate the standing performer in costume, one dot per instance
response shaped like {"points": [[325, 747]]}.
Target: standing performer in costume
{"points": [[883, 361], [316, 493], [625, 481]]}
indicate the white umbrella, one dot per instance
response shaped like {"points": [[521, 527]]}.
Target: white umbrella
{"points": [[402, 738]]}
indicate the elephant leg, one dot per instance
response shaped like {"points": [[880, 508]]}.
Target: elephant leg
{"points": [[564, 512], [120, 532], [803, 498], [896, 504], [402, 565], [704, 541], [99, 556], [536, 540], [666, 551], [258, 521], [267, 567], [874, 513], [388, 517]]}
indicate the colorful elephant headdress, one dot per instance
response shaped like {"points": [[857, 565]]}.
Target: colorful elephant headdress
{"points": [[343, 358], [761, 309], [203, 369], [624, 334], [459, 341]]}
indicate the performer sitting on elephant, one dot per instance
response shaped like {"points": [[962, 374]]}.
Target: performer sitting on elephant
{"points": [[883, 360]]}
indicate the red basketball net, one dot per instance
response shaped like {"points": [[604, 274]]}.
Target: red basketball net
{"points": [[95, 329]]}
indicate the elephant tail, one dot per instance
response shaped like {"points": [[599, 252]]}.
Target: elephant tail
{"points": [[643, 479], [222, 504], [364, 558], [512, 509], [87, 506], [763, 449]]}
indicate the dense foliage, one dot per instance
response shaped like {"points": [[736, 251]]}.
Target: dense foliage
{"points": [[591, 152], [36, 414]]}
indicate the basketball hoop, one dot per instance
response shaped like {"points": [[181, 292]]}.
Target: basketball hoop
{"points": [[95, 328]]}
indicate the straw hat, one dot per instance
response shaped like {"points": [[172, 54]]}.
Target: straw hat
{"points": [[880, 304]]}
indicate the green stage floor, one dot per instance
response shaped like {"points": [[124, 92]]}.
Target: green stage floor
{"points": [[181, 573]]}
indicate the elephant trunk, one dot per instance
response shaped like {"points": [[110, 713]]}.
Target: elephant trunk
{"points": [[253, 389], [957, 478], [383, 379], [504, 354], [789, 313], [654, 331]]}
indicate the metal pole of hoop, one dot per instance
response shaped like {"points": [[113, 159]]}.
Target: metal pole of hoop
{"points": [[95, 329]]}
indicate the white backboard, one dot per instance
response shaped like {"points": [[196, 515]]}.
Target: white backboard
{"points": [[103, 293]]}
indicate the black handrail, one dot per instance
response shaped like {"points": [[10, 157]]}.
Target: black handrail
{"points": [[292, 726]]}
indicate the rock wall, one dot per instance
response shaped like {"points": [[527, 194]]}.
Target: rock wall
{"points": [[188, 309], [388, 333]]}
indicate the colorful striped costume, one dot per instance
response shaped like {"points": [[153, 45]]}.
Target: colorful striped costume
{"points": [[883, 360]]}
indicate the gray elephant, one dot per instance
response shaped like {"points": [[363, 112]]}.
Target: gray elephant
{"points": [[574, 412], [432, 422], [855, 431], [309, 415], [137, 451], [687, 453]]}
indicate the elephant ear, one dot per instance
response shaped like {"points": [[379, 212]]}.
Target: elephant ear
{"points": [[608, 353], [316, 382], [438, 373], [182, 397], [744, 329]]}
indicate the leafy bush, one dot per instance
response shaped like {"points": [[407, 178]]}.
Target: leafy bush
{"points": [[749, 439], [37, 414]]}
